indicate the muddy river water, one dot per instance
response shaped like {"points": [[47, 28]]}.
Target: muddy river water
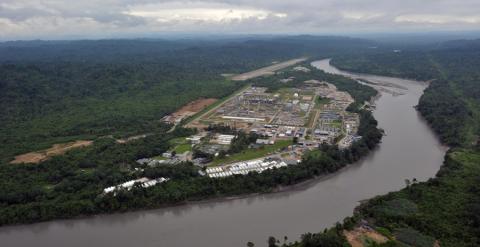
{"points": [[409, 150]]}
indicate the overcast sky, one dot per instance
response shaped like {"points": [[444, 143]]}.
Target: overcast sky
{"points": [[57, 19]]}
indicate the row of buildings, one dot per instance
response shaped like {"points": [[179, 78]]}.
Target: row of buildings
{"points": [[244, 167], [143, 182]]}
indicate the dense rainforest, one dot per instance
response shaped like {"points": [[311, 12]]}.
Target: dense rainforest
{"points": [[451, 104], [76, 96], [444, 211], [58, 91], [53, 92]]}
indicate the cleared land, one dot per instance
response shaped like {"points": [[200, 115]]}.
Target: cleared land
{"points": [[193, 107], [196, 105], [42, 155], [360, 237], [267, 70], [195, 122]]}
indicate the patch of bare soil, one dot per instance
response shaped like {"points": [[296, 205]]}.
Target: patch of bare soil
{"points": [[56, 149], [196, 105], [189, 109], [357, 236]]}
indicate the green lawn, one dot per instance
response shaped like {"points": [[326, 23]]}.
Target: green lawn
{"points": [[180, 145], [182, 148], [178, 141], [250, 154]]}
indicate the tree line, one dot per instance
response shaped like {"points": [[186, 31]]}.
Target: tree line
{"points": [[71, 185]]}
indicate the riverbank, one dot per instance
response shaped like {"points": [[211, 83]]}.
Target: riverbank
{"points": [[322, 202], [442, 211], [186, 184]]}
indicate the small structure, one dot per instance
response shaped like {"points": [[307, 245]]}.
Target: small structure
{"points": [[265, 141], [194, 139], [225, 139], [144, 161]]}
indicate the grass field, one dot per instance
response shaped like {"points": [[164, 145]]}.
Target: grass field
{"points": [[250, 154], [180, 145], [178, 141], [182, 148]]}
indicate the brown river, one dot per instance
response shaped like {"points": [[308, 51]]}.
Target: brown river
{"points": [[409, 150]]}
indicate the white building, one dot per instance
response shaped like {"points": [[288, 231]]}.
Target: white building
{"points": [[225, 139], [194, 139], [144, 182], [243, 168], [265, 141]]}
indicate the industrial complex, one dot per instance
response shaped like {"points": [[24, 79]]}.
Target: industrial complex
{"points": [[303, 117]]}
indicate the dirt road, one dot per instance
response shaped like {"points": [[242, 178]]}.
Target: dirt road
{"points": [[42, 155]]}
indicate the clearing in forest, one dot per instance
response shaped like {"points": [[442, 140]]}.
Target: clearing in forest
{"points": [[360, 236], [42, 155], [195, 106], [189, 109]]}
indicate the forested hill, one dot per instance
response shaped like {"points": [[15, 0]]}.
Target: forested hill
{"points": [[452, 102], [149, 50], [56, 91], [445, 210], [73, 184]]}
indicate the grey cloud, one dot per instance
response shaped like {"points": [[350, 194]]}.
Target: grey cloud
{"points": [[94, 18], [23, 13]]}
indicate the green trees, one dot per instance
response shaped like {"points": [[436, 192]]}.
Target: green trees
{"points": [[447, 114], [330, 238], [71, 185], [451, 102], [56, 95], [241, 142], [444, 208]]}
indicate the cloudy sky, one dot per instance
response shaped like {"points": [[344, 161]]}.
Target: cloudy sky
{"points": [[59, 19]]}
